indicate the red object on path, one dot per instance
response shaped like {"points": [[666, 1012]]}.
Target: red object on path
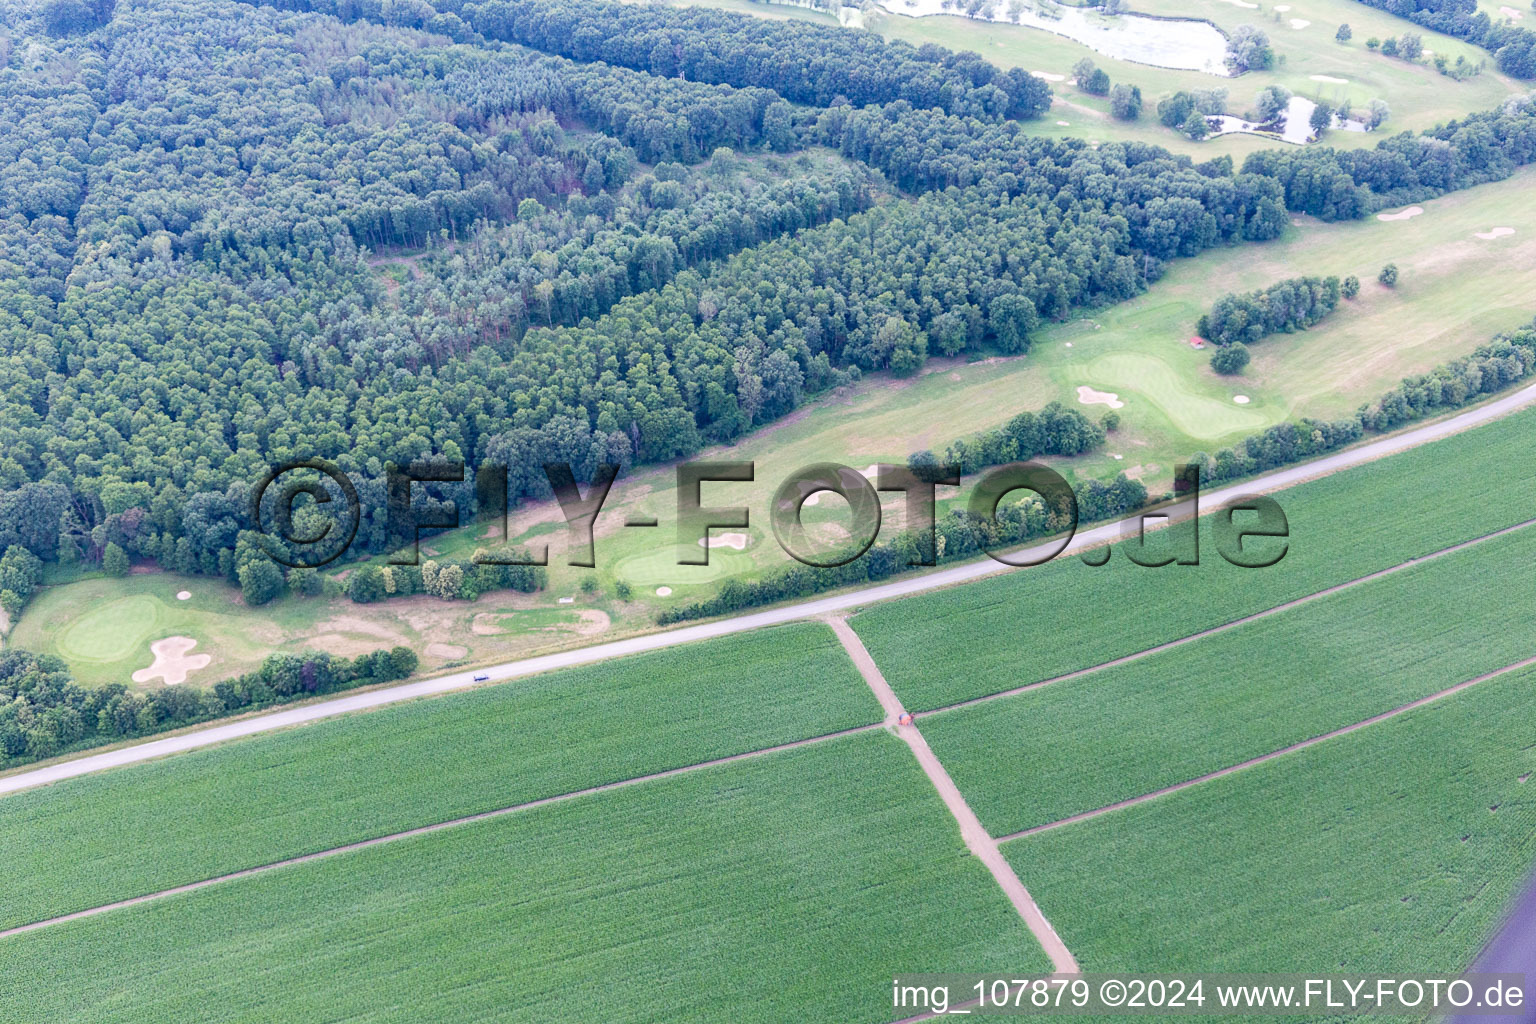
{"points": [[905, 719], [1196, 342]]}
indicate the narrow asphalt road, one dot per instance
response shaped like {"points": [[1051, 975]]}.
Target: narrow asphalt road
{"points": [[741, 623]]}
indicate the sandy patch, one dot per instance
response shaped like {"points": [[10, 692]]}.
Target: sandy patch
{"points": [[448, 651], [1065, 124], [1049, 76], [1242, 3], [1299, 23], [1489, 236], [1282, 8], [868, 473], [593, 621], [1240, 399], [663, 591], [1088, 396], [1329, 78], [173, 661], [1069, 344], [1510, 12], [353, 624], [491, 532], [1412, 211], [734, 541], [184, 595], [486, 624]]}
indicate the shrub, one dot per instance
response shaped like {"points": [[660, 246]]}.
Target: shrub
{"points": [[1230, 359]]}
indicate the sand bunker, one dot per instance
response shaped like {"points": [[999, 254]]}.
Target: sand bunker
{"points": [[449, 651], [184, 595], [1299, 23], [1240, 399], [1282, 8], [1069, 344], [172, 661], [1049, 76], [1065, 124], [1510, 12], [1489, 236], [1412, 211], [663, 591], [734, 541], [1242, 3], [868, 473], [1329, 78], [1088, 396]]}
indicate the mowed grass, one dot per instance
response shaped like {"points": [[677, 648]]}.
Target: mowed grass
{"points": [[121, 833], [1086, 743], [1024, 626], [786, 888], [1392, 849]]}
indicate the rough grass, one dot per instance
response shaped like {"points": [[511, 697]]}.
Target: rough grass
{"points": [[1392, 849], [1086, 743], [1021, 627], [787, 888], [148, 827]]}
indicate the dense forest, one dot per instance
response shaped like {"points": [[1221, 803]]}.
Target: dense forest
{"points": [[232, 235], [1513, 48]]}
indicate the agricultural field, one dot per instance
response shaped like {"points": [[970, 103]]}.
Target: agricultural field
{"points": [[356, 777], [1023, 627], [1084, 743], [1394, 848], [1312, 65], [757, 890]]}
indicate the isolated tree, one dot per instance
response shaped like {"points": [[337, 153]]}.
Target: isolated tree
{"points": [[1125, 102], [1344, 34], [1389, 46], [1351, 287], [1110, 422], [260, 581], [1174, 111], [1373, 44], [1248, 49], [1196, 126], [1378, 113], [589, 585], [1270, 101], [1388, 275], [622, 590], [1410, 46], [1321, 119], [114, 560], [1230, 359]]}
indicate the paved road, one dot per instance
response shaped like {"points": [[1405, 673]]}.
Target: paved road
{"points": [[741, 623]]}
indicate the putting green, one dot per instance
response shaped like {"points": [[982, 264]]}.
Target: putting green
{"points": [[1197, 415], [112, 631], [660, 568]]}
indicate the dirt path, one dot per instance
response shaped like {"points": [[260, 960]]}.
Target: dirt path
{"points": [[468, 819], [962, 573], [977, 839], [1303, 745]]}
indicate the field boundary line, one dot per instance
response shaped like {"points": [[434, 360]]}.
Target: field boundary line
{"points": [[1265, 613], [977, 839], [817, 607], [421, 830], [1272, 755]]}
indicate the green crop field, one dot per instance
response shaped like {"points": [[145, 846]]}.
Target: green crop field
{"points": [[134, 830], [1029, 625], [1085, 743], [1395, 848], [786, 888]]}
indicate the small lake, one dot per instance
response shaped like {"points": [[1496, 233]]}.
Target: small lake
{"points": [[1163, 43]]}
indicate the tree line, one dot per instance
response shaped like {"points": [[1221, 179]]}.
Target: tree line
{"points": [[1513, 48]]}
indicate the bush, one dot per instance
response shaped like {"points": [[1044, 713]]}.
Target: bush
{"points": [[1125, 102], [1388, 275], [1230, 359], [1351, 287], [1344, 34], [114, 561]]}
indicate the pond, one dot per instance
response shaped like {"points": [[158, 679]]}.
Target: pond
{"points": [[1160, 42]]}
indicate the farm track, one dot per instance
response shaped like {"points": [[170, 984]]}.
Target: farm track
{"points": [[1293, 748], [1106, 533], [977, 839]]}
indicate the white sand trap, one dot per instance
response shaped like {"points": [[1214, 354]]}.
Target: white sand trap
{"points": [[1117, 458], [449, 651], [184, 595], [1510, 12], [1069, 344], [1329, 78], [566, 600], [1412, 211], [172, 661], [1242, 3], [1088, 396], [1065, 124], [663, 591], [868, 473], [734, 541], [1489, 236], [1282, 8], [1240, 399], [1299, 23], [1049, 76]]}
